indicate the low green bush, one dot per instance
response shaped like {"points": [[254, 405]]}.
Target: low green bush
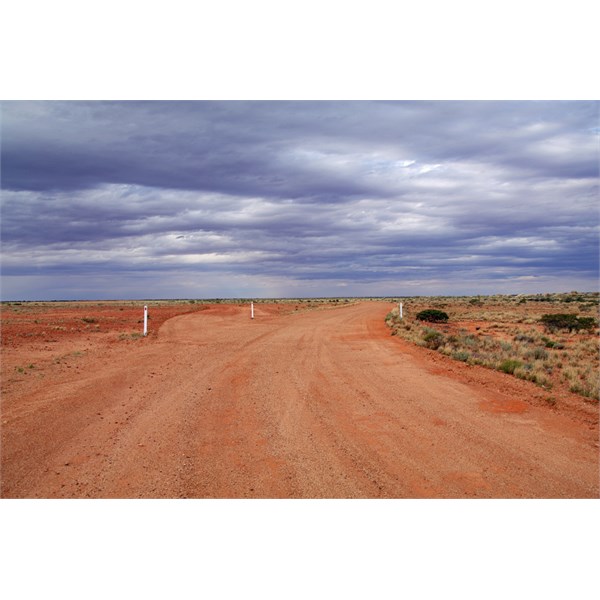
{"points": [[568, 321], [509, 365], [586, 323], [432, 315], [433, 339]]}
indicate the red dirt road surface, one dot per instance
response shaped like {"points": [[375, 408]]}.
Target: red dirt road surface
{"points": [[320, 403]]}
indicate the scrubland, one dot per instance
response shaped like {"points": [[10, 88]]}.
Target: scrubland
{"points": [[507, 333]]}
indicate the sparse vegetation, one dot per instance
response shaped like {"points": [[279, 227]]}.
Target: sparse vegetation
{"points": [[130, 336], [508, 334]]}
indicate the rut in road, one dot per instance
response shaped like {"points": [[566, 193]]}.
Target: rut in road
{"points": [[319, 404]]}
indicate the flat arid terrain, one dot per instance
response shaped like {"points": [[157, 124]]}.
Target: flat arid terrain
{"points": [[306, 400]]}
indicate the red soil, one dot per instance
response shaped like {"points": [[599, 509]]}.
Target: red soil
{"points": [[293, 404]]}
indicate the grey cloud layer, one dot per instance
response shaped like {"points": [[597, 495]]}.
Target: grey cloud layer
{"points": [[269, 149], [349, 193]]}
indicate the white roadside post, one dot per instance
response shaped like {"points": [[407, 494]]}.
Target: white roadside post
{"points": [[252, 310], [401, 310], [145, 320]]}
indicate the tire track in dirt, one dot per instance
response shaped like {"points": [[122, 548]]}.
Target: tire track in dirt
{"points": [[317, 404]]}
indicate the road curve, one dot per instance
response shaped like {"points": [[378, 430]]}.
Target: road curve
{"points": [[316, 404]]}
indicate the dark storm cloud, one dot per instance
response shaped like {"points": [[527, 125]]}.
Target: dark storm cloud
{"points": [[265, 148], [363, 194], [233, 148]]}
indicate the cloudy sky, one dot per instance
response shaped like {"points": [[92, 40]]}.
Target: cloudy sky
{"points": [[204, 199]]}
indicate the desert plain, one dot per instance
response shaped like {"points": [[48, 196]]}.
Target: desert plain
{"points": [[320, 398]]}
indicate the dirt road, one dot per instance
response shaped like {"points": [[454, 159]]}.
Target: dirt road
{"points": [[317, 404]]}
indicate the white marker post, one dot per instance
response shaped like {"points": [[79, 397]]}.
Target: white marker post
{"points": [[252, 310], [401, 310], [145, 320]]}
